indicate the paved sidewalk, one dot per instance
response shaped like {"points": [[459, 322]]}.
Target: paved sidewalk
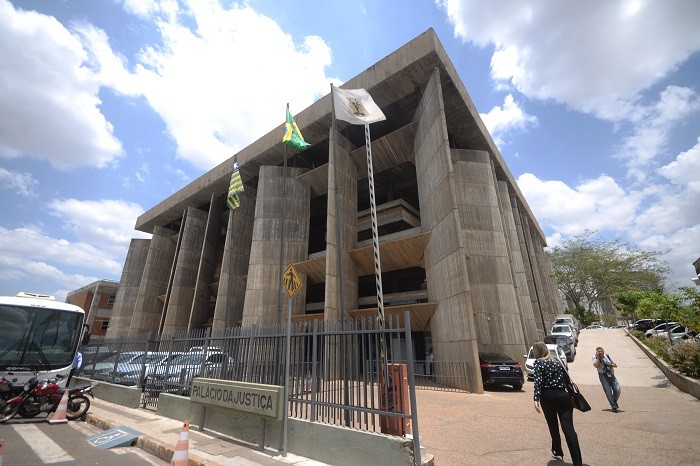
{"points": [[210, 448]]}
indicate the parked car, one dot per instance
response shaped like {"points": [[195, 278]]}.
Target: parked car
{"points": [[566, 330], [500, 369], [647, 324], [676, 332], [660, 328], [562, 342], [594, 327], [554, 350], [176, 374], [570, 320]]}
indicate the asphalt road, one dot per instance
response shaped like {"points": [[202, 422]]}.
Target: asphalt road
{"points": [[33, 442], [657, 425]]}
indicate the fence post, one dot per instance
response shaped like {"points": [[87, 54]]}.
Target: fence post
{"points": [[116, 361], [251, 347], [412, 389], [314, 358]]}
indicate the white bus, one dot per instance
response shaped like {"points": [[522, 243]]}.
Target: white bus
{"points": [[38, 334]]}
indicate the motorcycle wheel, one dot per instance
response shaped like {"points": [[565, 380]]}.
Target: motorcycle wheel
{"points": [[8, 411], [30, 408], [77, 407]]}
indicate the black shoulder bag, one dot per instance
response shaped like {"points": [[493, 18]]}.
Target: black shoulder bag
{"points": [[577, 398]]}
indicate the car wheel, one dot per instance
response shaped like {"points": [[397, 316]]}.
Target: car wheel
{"points": [[517, 386]]}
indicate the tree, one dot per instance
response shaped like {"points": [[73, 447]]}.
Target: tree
{"points": [[627, 302], [590, 271]]}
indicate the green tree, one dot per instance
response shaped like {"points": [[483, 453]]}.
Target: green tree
{"points": [[689, 314], [662, 305], [590, 271], [627, 302], [585, 316]]}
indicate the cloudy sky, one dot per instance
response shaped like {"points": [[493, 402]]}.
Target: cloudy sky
{"points": [[109, 106]]}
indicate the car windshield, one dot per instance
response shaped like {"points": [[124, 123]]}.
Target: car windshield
{"points": [[556, 340], [189, 358], [561, 329], [122, 357]]}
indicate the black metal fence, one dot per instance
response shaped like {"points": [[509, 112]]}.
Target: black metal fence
{"points": [[355, 373]]}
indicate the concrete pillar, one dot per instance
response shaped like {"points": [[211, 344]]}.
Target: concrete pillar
{"points": [[234, 266], [181, 295], [94, 306], [452, 326], [494, 301], [347, 197], [148, 310], [129, 283], [527, 316], [263, 284], [544, 321], [202, 307], [545, 278]]}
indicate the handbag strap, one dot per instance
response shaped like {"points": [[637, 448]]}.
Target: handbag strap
{"points": [[566, 371]]}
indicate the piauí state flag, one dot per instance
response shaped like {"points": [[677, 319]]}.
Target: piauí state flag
{"points": [[356, 106], [292, 135], [235, 187]]}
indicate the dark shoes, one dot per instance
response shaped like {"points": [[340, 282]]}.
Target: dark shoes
{"points": [[558, 454], [614, 410]]}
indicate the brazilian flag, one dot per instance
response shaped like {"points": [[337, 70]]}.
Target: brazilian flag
{"points": [[292, 136]]}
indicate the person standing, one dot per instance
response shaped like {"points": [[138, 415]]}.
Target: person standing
{"points": [[555, 402], [606, 373], [77, 363]]}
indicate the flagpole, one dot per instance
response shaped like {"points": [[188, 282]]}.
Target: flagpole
{"points": [[338, 229], [282, 233], [375, 232]]}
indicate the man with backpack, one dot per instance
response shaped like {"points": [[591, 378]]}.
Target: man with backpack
{"points": [[606, 373]]}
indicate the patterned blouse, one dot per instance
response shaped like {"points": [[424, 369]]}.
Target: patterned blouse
{"points": [[548, 375]]}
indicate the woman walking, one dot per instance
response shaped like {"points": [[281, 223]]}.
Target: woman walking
{"points": [[554, 401]]}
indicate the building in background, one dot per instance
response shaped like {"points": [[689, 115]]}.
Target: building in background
{"points": [[460, 247], [97, 300], [696, 278]]}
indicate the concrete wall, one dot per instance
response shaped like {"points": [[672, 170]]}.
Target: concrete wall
{"points": [[129, 284], [118, 394], [329, 444]]}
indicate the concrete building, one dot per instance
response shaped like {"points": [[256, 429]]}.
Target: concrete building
{"points": [[97, 300], [460, 248]]}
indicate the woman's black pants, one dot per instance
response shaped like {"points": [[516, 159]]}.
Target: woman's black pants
{"points": [[557, 403]]}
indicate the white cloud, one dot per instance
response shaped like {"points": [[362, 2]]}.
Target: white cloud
{"points": [[597, 204], [23, 184], [48, 96], [593, 56], [502, 120], [220, 85], [685, 170]]}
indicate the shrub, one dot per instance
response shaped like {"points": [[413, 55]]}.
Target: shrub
{"points": [[686, 358], [659, 345]]}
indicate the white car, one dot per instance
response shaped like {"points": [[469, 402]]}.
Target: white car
{"points": [[677, 332], [554, 350], [567, 330], [665, 327]]}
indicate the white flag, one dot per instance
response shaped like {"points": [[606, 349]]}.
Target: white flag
{"points": [[356, 106]]}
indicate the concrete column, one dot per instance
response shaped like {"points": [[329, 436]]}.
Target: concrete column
{"points": [[546, 280], [234, 267], [544, 322], [148, 310], [94, 306], [494, 301], [179, 301], [347, 197], [125, 301], [452, 326], [527, 316], [202, 307], [263, 284]]}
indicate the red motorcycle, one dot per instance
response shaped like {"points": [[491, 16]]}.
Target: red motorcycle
{"points": [[44, 396]]}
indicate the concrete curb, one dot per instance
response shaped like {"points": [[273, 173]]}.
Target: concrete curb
{"points": [[683, 383], [150, 445]]}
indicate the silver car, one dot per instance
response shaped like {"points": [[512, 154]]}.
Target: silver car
{"points": [[567, 330]]}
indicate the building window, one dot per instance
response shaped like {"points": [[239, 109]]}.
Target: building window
{"points": [[111, 299], [104, 324]]}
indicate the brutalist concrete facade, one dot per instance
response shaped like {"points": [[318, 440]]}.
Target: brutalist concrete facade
{"points": [[460, 248]]}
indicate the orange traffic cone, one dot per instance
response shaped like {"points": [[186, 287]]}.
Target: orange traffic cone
{"points": [[180, 455], [59, 417]]}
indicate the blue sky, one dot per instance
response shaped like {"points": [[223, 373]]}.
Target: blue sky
{"points": [[110, 106]]}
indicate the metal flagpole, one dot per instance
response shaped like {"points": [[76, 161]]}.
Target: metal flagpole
{"points": [[375, 233]]}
